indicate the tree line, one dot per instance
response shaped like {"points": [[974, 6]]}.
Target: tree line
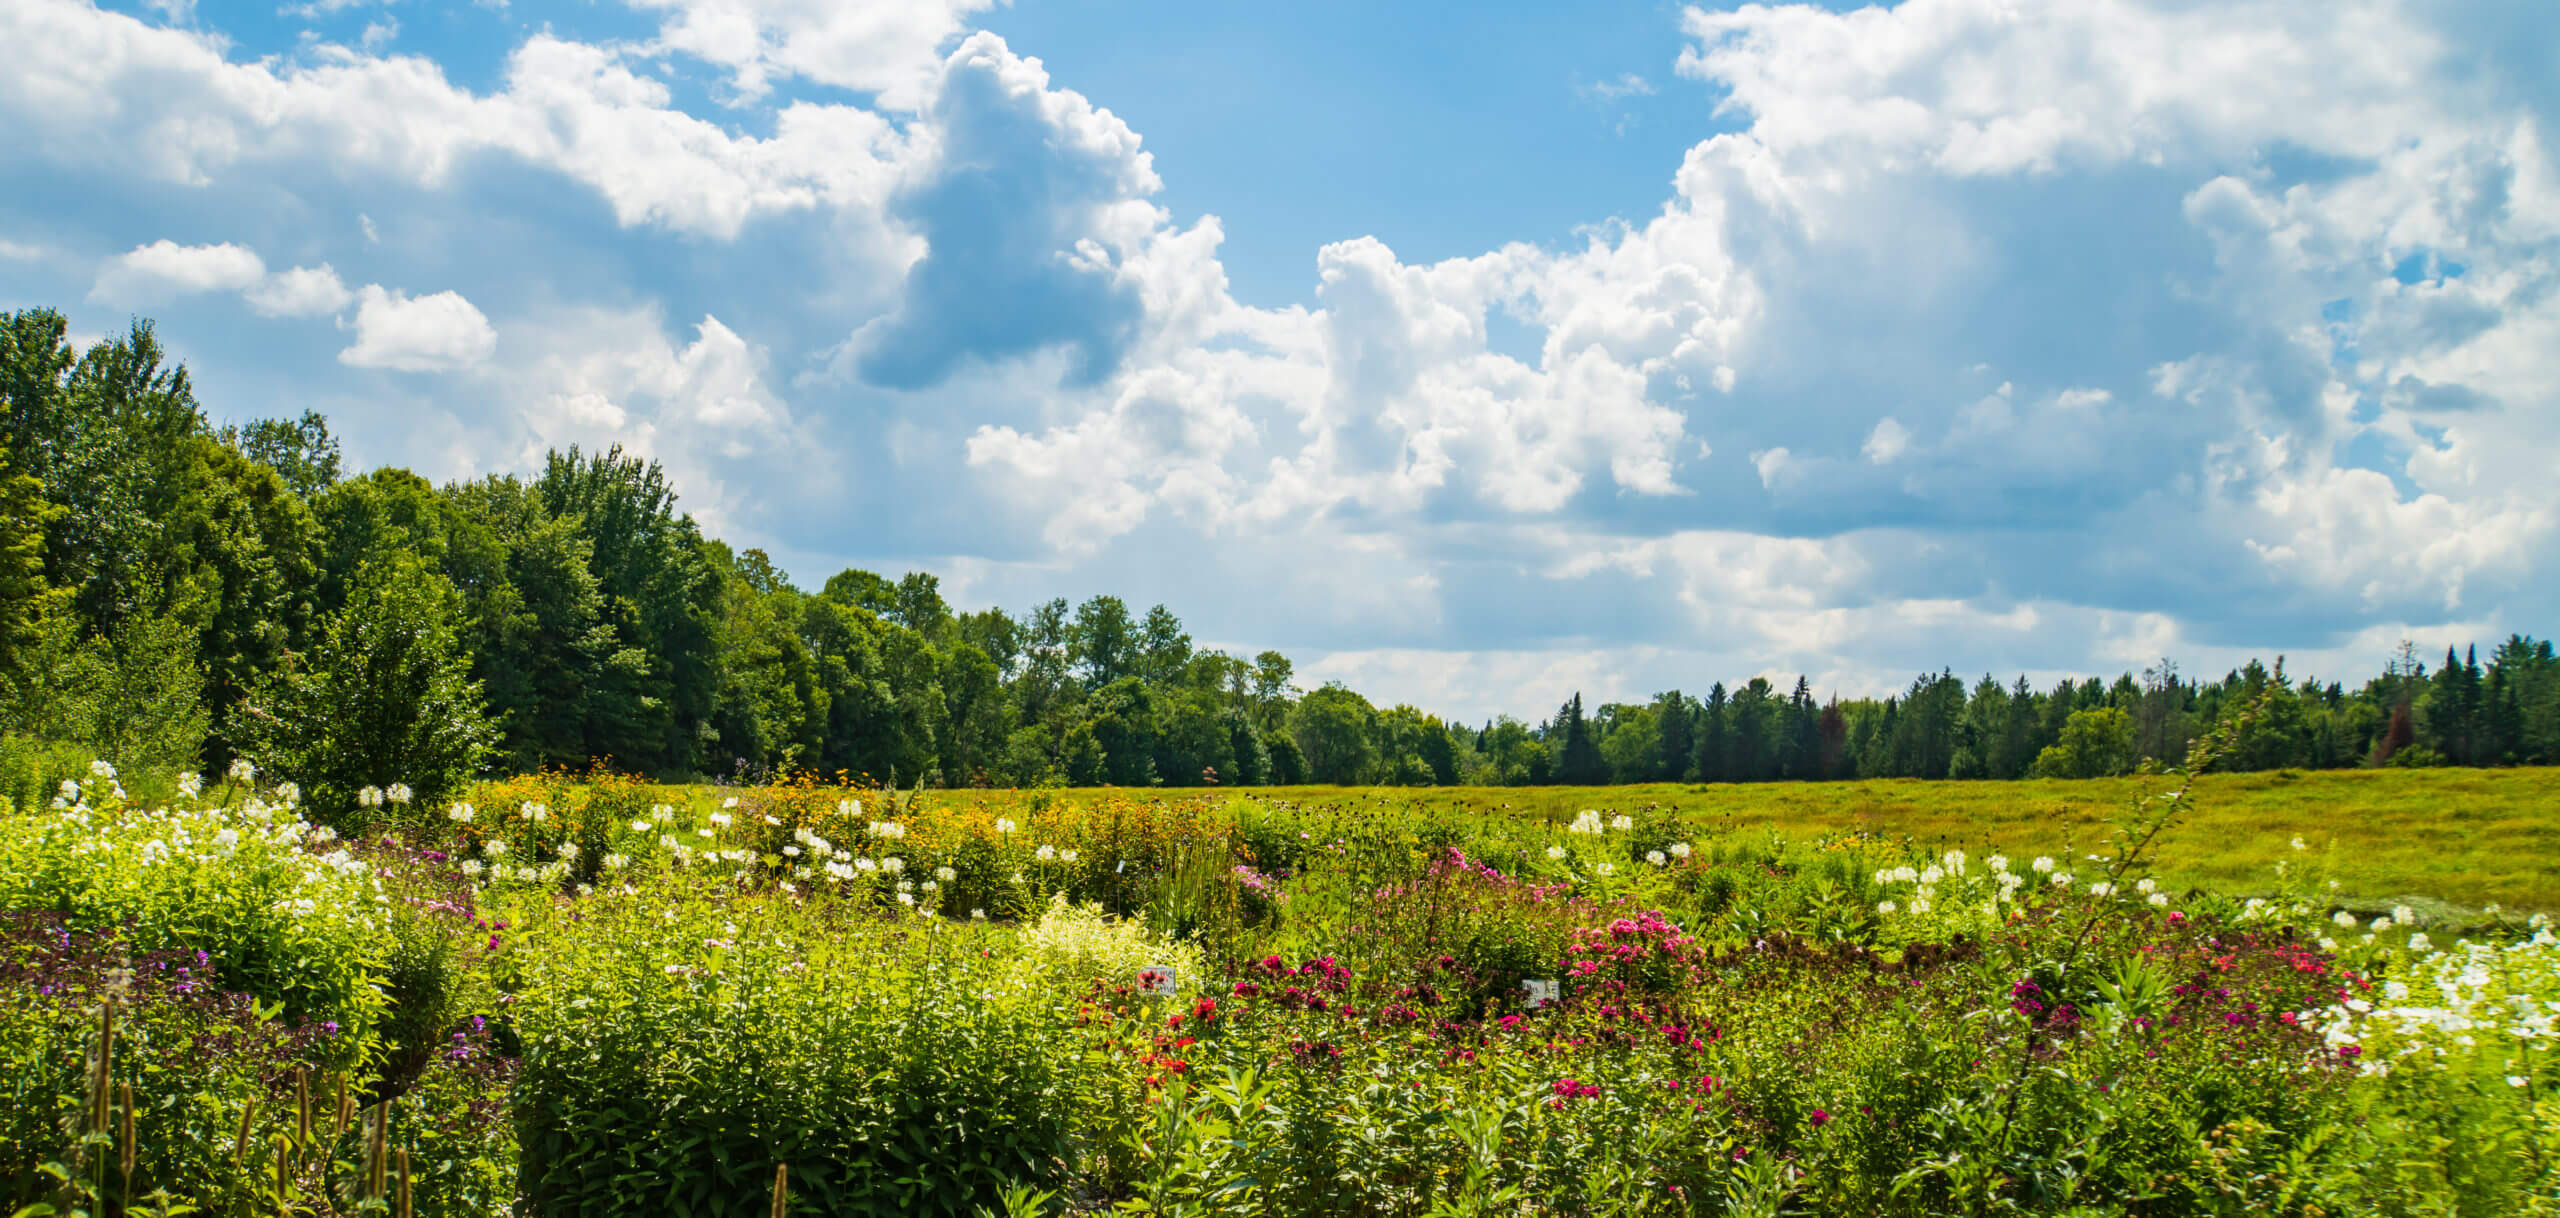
{"points": [[176, 593]]}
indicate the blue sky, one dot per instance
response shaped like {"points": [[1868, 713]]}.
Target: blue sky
{"points": [[1471, 354]]}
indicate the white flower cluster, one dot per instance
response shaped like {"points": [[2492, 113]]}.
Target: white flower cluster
{"points": [[2498, 1005], [1949, 886], [1587, 821], [888, 829], [369, 796]]}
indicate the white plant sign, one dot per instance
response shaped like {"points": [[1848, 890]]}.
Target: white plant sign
{"points": [[1156, 981], [1538, 992]]}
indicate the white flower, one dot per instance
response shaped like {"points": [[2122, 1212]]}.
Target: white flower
{"points": [[2146, 885], [1622, 822], [888, 829], [535, 812], [1932, 875], [2062, 879], [568, 850], [1656, 857], [1586, 821], [190, 784], [791, 852], [730, 802], [945, 874], [1919, 905], [1045, 853], [459, 814], [722, 819], [1955, 862], [242, 771], [1555, 853], [2403, 915], [399, 793], [2516, 1080], [1884, 907], [1679, 850], [2158, 898], [1005, 825], [2344, 919], [290, 793], [1066, 856], [977, 915], [893, 864], [2043, 863], [866, 864], [2101, 888], [906, 898], [1606, 869], [1998, 862], [102, 769], [932, 885], [641, 826], [2381, 924], [471, 867], [2297, 841], [2420, 943], [494, 849]]}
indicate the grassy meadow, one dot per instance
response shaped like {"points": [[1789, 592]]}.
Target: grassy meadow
{"points": [[2445, 839], [2460, 837], [566, 995]]}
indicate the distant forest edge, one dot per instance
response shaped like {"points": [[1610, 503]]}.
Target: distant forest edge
{"points": [[175, 595]]}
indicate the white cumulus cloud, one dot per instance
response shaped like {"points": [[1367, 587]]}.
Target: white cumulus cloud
{"points": [[440, 332]]}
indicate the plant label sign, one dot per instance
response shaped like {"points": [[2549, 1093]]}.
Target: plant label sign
{"points": [[1156, 981], [1538, 992]]}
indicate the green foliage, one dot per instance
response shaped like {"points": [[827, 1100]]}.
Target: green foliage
{"points": [[678, 1049], [383, 697], [301, 451], [2095, 744], [134, 699], [24, 517], [295, 928]]}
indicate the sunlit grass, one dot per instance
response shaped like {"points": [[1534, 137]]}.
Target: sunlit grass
{"points": [[2436, 839]]}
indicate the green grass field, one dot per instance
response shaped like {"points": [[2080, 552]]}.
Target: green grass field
{"points": [[2464, 838], [2446, 841]]}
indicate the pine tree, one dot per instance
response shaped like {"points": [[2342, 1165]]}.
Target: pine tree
{"points": [[1578, 762]]}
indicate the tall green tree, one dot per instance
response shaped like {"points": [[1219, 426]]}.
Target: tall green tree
{"points": [[384, 696], [24, 517], [1333, 727], [661, 593]]}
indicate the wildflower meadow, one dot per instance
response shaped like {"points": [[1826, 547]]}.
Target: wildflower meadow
{"points": [[570, 995]]}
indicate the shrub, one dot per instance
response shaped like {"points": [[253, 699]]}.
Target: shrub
{"points": [[677, 1050], [1079, 944], [294, 927], [385, 697]]}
